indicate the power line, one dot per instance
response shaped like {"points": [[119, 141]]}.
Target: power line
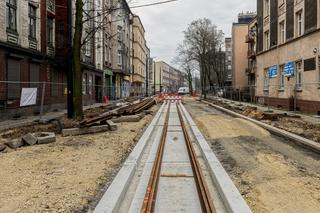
{"points": [[152, 4]]}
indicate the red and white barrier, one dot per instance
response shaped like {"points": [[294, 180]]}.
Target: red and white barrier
{"points": [[171, 99]]}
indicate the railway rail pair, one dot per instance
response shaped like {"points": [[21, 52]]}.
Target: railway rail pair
{"points": [[203, 192]]}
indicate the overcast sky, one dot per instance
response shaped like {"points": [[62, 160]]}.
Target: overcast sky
{"points": [[164, 23]]}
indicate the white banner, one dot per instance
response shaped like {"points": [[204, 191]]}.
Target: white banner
{"points": [[28, 96]]}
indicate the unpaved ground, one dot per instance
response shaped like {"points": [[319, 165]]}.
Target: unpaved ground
{"points": [[64, 176], [297, 126], [272, 174]]}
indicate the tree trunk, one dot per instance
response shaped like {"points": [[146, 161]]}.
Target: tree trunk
{"points": [[189, 77], [76, 50]]}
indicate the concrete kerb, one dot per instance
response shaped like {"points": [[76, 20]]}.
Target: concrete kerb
{"points": [[229, 193], [111, 200], [312, 145]]}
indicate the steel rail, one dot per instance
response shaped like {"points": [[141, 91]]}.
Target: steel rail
{"points": [[151, 192], [203, 192]]}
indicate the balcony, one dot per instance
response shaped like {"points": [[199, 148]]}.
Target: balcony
{"points": [[250, 38], [252, 69], [251, 54]]}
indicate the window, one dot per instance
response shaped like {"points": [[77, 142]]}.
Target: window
{"points": [[50, 32], [119, 57], [282, 31], [13, 75], [266, 8], [32, 21], [266, 79], [90, 84], [87, 43], [299, 23], [84, 83], [119, 33], [11, 10], [34, 70], [267, 40], [60, 35], [282, 78], [54, 83], [299, 74]]}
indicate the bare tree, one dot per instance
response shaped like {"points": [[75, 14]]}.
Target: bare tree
{"points": [[187, 63], [89, 22], [203, 42]]}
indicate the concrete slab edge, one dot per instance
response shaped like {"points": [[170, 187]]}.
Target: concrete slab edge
{"points": [[229, 193], [312, 145], [111, 200]]}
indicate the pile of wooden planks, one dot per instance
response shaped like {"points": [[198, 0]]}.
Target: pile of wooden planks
{"points": [[129, 109]]}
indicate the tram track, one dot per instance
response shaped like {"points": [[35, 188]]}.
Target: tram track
{"points": [[172, 170]]}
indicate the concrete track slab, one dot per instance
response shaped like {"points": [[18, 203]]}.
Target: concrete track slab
{"points": [[177, 195]]}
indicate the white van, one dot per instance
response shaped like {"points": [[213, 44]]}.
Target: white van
{"points": [[183, 91]]}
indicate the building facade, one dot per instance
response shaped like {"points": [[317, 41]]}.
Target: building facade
{"points": [[251, 40], [139, 55], [120, 48], [167, 78], [34, 51], [288, 58], [28, 51], [239, 51], [228, 51]]}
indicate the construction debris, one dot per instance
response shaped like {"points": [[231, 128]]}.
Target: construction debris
{"points": [[287, 121], [128, 118], [85, 130], [30, 139], [46, 137], [128, 109], [15, 143], [112, 126], [2, 147]]}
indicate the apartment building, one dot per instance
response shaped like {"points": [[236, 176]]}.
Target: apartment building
{"points": [[288, 58], [139, 54], [107, 37], [228, 52], [251, 40], [162, 76], [168, 78], [239, 51], [28, 47], [148, 72], [120, 47]]}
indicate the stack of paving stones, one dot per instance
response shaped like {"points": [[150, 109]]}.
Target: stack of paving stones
{"points": [[29, 140]]}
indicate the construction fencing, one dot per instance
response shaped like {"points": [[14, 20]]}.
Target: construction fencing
{"points": [[36, 98], [265, 95]]}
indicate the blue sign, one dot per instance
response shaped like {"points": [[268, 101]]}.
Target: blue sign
{"points": [[273, 71], [288, 69]]}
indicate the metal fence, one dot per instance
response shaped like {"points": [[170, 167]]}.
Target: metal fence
{"points": [[36, 98], [289, 94]]}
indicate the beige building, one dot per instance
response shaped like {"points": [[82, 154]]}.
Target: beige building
{"points": [[239, 51], [167, 78], [288, 59], [139, 54], [162, 76]]}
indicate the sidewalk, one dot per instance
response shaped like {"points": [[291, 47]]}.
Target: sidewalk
{"points": [[29, 120], [307, 118]]}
